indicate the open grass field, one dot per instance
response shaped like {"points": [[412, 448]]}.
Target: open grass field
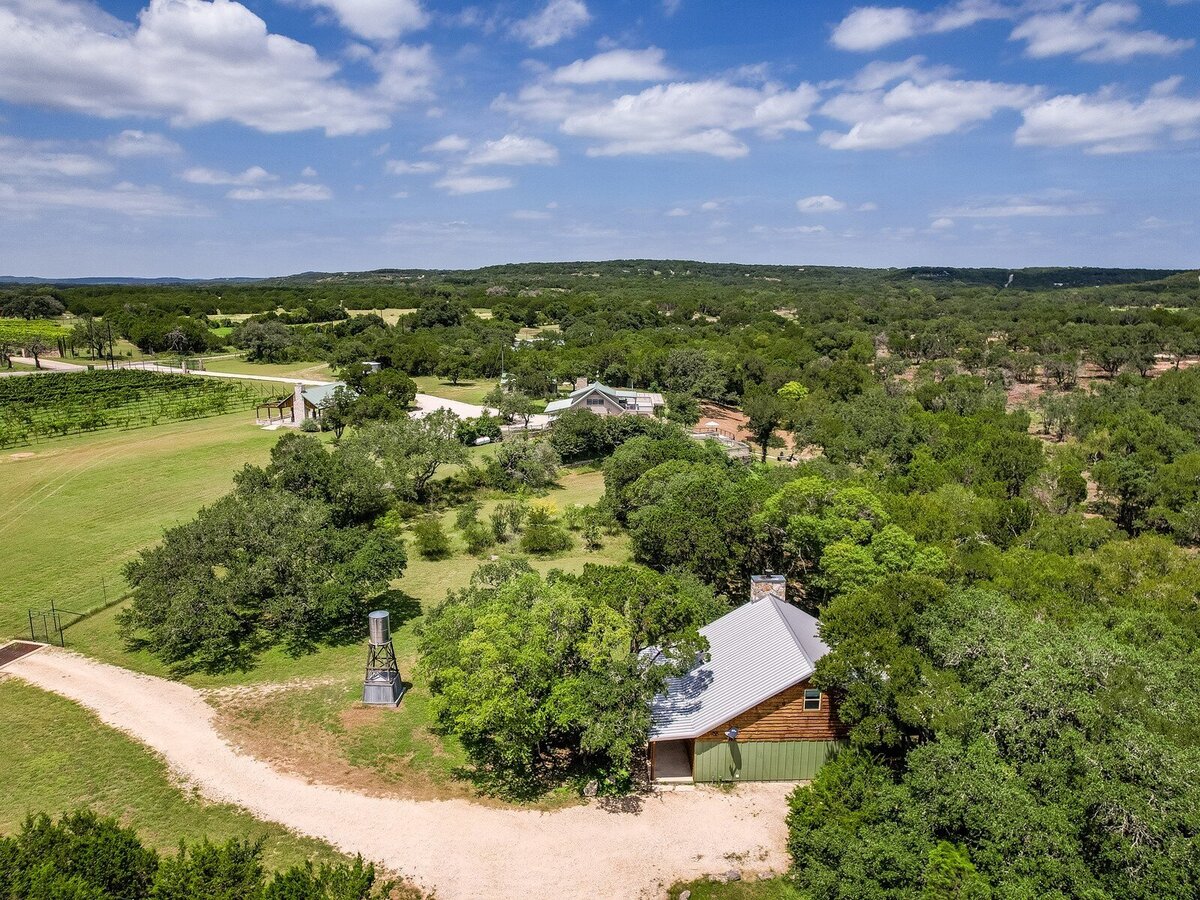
{"points": [[79, 508], [466, 391], [75, 509], [391, 315], [236, 365], [59, 757]]}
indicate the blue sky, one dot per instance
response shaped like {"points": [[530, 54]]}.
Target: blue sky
{"points": [[263, 137]]}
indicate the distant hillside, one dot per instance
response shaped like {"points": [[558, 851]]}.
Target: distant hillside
{"points": [[99, 279], [1035, 279], [1017, 279]]}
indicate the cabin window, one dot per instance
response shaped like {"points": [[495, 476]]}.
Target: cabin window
{"points": [[812, 699], [595, 401]]}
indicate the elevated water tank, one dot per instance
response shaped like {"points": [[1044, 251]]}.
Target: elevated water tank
{"points": [[380, 628]]}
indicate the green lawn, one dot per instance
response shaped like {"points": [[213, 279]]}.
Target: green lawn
{"points": [[77, 508], [465, 391], [59, 757]]}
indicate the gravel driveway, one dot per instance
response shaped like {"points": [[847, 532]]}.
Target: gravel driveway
{"points": [[454, 847]]}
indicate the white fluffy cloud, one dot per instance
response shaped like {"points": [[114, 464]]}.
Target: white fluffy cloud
{"points": [[135, 143], [919, 107], [557, 20], [871, 27], [1097, 35], [451, 143], [820, 203], [303, 191], [252, 175], [1105, 123], [459, 183], [616, 65], [691, 117], [193, 62], [24, 158], [377, 19], [513, 150]]}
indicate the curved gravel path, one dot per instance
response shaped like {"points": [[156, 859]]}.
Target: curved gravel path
{"points": [[456, 848]]}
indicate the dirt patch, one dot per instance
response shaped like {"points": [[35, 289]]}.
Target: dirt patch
{"points": [[732, 422], [21, 455]]}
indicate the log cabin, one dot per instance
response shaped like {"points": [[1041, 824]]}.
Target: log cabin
{"points": [[748, 712]]}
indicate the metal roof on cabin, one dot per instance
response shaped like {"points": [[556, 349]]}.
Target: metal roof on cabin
{"points": [[615, 393], [755, 651], [320, 394]]}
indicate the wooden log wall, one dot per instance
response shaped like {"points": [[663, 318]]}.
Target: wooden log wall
{"points": [[784, 718]]}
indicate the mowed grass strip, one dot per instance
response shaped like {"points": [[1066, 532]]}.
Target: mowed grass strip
{"points": [[317, 370], [466, 391], [59, 757], [76, 509]]}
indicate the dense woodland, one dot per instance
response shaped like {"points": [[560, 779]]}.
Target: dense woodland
{"points": [[989, 494]]}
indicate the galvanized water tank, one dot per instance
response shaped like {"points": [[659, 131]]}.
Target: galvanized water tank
{"points": [[381, 631]]}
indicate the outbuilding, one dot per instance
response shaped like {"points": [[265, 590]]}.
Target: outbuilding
{"points": [[749, 711]]}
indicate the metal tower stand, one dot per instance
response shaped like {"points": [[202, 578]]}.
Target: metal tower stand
{"points": [[382, 685]]}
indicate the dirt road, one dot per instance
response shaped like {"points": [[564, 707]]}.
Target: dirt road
{"points": [[458, 849]]}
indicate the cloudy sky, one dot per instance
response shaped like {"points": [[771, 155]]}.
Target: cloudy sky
{"points": [[198, 138]]}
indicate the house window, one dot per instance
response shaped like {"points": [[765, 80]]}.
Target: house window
{"points": [[595, 401], [812, 699]]}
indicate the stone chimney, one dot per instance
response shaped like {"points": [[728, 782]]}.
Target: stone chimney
{"points": [[763, 586], [298, 412], [580, 383]]}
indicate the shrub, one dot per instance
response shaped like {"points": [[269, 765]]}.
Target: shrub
{"points": [[545, 539], [466, 515], [479, 537], [498, 520], [310, 426], [432, 541], [514, 515]]}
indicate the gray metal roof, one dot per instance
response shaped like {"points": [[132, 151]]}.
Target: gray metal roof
{"points": [[625, 397], [320, 394], [755, 651]]}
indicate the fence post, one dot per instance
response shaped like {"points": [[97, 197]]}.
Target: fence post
{"points": [[32, 637]]}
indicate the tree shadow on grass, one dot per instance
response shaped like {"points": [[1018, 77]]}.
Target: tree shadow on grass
{"points": [[402, 609]]}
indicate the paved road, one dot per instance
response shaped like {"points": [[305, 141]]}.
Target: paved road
{"points": [[454, 847]]}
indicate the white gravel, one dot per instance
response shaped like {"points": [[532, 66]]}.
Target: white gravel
{"points": [[453, 847]]}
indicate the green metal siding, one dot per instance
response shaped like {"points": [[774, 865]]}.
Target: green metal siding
{"points": [[760, 760]]}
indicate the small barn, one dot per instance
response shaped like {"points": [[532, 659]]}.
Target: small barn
{"points": [[748, 712]]}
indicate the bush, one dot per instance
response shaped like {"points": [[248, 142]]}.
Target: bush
{"points": [[466, 515], [310, 426], [83, 856], [479, 537], [545, 539], [432, 541], [514, 515], [498, 521]]}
